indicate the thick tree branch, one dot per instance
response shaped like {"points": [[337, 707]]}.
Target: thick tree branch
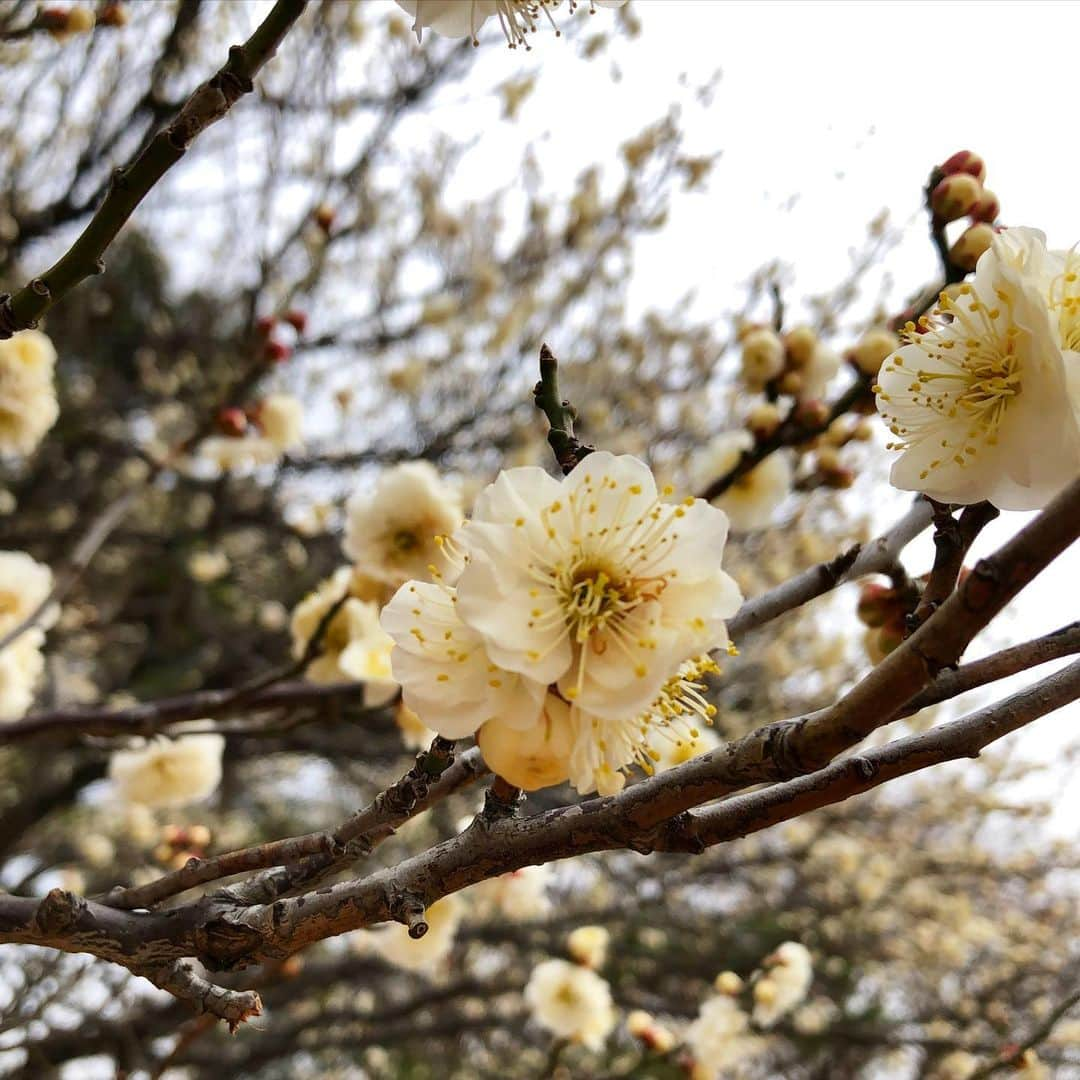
{"points": [[131, 184]]}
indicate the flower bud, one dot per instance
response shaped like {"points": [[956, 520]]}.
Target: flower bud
{"points": [[839, 479], [296, 319], [873, 348], [762, 357], [264, 325], [890, 636], [987, 208], [877, 604], [967, 250], [800, 344], [965, 161], [812, 414], [276, 352], [727, 982], [54, 20], [763, 420], [954, 197], [828, 459], [232, 422], [80, 20], [324, 217], [114, 14], [655, 1036], [588, 946], [791, 383]]}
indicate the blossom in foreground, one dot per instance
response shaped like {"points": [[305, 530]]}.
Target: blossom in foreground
{"points": [[463, 18], [787, 979], [354, 646], [166, 772], [392, 533], [28, 407], [752, 500], [571, 1002], [575, 607], [424, 955], [978, 400], [720, 1037]]}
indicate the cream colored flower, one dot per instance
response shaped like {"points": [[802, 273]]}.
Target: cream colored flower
{"points": [[752, 500], [519, 896], [979, 401], [239, 455], [281, 419], [24, 585], [463, 18], [354, 646], [168, 772], [21, 667], [28, 407], [394, 533], [762, 357], [423, 955], [958, 1065], [594, 583], [788, 976], [719, 1038], [818, 373], [588, 945], [571, 1002]]}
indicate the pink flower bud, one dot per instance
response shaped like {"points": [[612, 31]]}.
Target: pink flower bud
{"points": [[232, 422], [965, 253], [276, 352], [296, 319], [987, 208], [264, 325], [965, 161]]}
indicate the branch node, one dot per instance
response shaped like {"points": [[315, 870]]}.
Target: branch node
{"points": [[59, 911], [568, 449]]}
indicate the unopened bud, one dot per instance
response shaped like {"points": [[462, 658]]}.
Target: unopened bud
{"points": [[324, 217], [114, 15], [862, 431], [763, 420], [839, 479], [812, 414], [727, 982], [296, 319], [80, 20], [264, 325], [877, 604], [828, 459], [872, 349], [954, 196], [800, 344], [232, 422], [987, 208], [791, 383], [276, 352], [762, 357], [965, 161], [655, 1036], [890, 636], [53, 19], [971, 245], [199, 836]]}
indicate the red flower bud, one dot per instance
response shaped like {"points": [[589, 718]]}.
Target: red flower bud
{"points": [[276, 352], [264, 325], [324, 217], [232, 421], [296, 319], [877, 603], [113, 15], [971, 244], [965, 161]]}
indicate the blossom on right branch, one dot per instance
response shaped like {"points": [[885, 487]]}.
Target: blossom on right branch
{"points": [[983, 398]]}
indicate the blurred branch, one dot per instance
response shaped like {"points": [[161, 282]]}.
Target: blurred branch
{"points": [[130, 185]]}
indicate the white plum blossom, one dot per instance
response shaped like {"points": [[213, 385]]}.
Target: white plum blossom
{"points": [[168, 772], [354, 646], [21, 667], [789, 973], [280, 417], [720, 1037], [28, 407], [588, 945], [982, 399], [571, 1002], [520, 896], [463, 18], [424, 955], [394, 533], [594, 588], [752, 500], [24, 586]]}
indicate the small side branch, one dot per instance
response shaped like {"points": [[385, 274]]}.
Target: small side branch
{"points": [[569, 450], [181, 979]]}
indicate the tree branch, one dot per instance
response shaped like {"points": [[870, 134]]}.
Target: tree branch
{"points": [[131, 184]]}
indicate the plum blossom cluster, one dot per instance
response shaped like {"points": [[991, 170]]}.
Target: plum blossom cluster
{"points": [[28, 407], [24, 586], [570, 624], [168, 772], [983, 400], [517, 18]]}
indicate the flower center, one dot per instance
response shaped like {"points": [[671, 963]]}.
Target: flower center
{"points": [[591, 597], [1065, 303], [404, 541]]}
